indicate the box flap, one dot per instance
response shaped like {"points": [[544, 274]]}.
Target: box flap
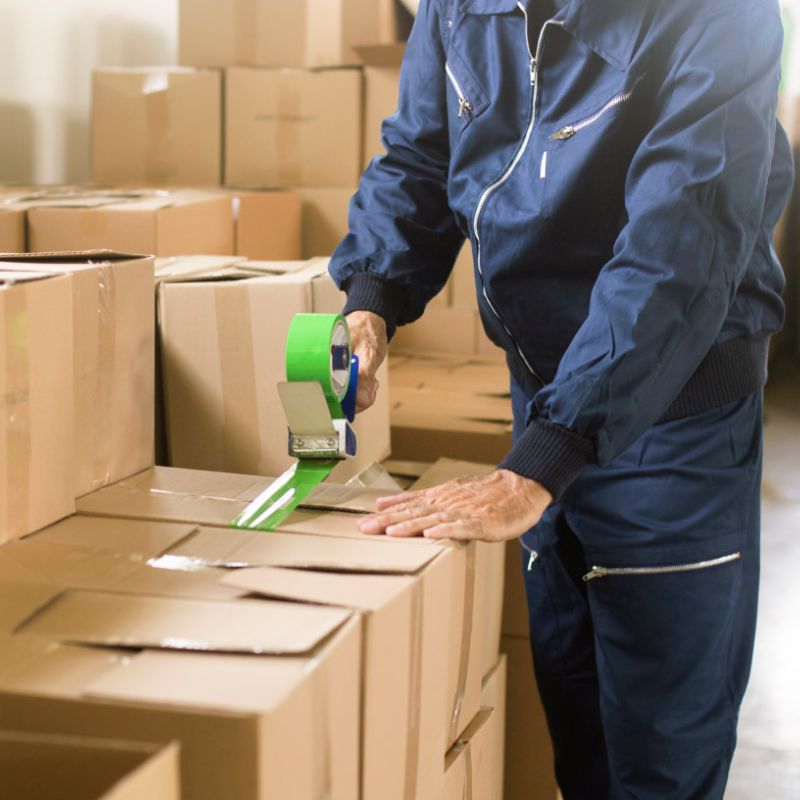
{"points": [[66, 257], [224, 684], [381, 55], [335, 497], [143, 539], [116, 620], [448, 469], [231, 548], [9, 278], [359, 592], [19, 601]]}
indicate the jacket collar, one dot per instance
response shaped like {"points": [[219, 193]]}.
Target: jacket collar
{"points": [[611, 28]]}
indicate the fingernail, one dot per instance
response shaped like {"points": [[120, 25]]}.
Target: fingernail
{"points": [[369, 526]]}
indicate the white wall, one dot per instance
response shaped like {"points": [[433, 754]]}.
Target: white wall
{"points": [[47, 51]]}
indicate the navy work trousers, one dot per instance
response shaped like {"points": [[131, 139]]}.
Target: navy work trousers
{"points": [[642, 586]]}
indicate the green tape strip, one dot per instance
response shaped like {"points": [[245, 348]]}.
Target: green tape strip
{"points": [[275, 504], [310, 355]]}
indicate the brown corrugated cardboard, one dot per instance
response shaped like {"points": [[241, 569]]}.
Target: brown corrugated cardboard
{"points": [[158, 126], [41, 767], [268, 224], [493, 695], [405, 678], [222, 346], [324, 219], [491, 558], [381, 83], [114, 351], [440, 330], [36, 401], [269, 708], [111, 555], [529, 754], [450, 407], [462, 280], [12, 230], [213, 499], [469, 765], [162, 223], [272, 33], [293, 127]]}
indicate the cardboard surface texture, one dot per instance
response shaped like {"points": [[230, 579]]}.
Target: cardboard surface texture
{"points": [[268, 224], [12, 230], [267, 705], [157, 126], [493, 695], [270, 33], [162, 223], [325, 212], [470, 765], [114, 352], [529, 770], [36, 401], [491, 566], [450, 407], [39, 767], [222, 346], [293, 127]]}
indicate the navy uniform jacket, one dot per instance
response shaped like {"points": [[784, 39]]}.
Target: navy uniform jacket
{"points": [[619, 175]]}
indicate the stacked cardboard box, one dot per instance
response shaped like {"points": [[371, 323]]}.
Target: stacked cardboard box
{"points": [[450, 406], [527, 753], [40, 767], [222, 338]]}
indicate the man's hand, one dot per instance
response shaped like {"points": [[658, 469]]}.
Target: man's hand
{"points": [[370, 344], [493, 508]]}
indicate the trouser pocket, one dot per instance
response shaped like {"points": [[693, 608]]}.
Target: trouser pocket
{"points": [[599, 571]]}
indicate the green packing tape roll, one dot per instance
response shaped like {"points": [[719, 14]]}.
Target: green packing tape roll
{"points": [[318, 349]]}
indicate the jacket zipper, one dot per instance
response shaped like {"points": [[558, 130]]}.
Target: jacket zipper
{"points": [[534, 68], [602, 572], [465, 108], [568, 131]]}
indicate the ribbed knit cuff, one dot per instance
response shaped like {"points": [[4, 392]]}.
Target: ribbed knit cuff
{"points": [[369, 292], [549, 455]]}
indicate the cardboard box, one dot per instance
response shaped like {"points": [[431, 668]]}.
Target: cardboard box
{"points": [[491, 557], [462, 282], [404, 619], [114, 352], [213, 499], [293, 127], [222, 346], [268, 224], [270, 33], [450, 407], [382, 85], [107, 554], [38, 767], [12, 230], [157, 126], [471, 764], [162, 223], [493, 695], [266, 706], [36, 401], [452, 331], [325, 213], [529, 770]]}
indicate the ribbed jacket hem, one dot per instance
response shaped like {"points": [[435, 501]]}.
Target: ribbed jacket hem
{"points": [[369, 292], [550, 455]]}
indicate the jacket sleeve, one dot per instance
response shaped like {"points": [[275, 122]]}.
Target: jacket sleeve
{"points": [[695, 199], [403, 238]]}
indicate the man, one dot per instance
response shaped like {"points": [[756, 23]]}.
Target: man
{"points": [[618, 170]]}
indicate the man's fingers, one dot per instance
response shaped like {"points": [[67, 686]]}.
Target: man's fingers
{"points": [[414, 527], [367, 394], [378, 523], [458, 530]]}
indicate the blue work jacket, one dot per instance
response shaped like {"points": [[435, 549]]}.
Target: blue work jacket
{"points": [[619, 173]]}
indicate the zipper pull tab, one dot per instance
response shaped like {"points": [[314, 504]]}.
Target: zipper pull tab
{"points": [[564, 133], [464, 108], [532, 560], [596, 572], [533, 71]]}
